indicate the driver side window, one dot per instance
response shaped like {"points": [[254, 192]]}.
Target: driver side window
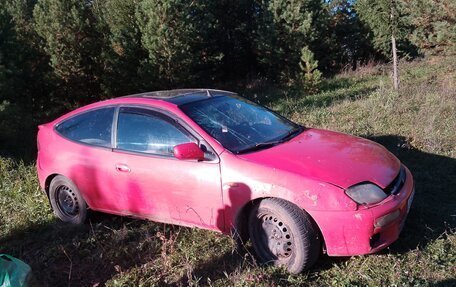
{"points": [[146, 131]]}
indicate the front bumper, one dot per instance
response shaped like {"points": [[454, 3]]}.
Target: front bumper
{"points": [[361, 231]]}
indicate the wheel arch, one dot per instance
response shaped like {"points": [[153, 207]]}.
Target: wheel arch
{"points": [[240, 224], [47, 182]]}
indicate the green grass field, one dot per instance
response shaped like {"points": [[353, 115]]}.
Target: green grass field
{"points": [[417, 124]]}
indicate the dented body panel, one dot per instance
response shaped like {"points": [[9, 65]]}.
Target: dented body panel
{"points": [[312, 170]]}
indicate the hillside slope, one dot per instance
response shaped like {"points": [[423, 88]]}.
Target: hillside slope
{"points": [[417, 124]]}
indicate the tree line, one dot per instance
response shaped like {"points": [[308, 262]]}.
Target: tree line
{"points": [[57, 54]]}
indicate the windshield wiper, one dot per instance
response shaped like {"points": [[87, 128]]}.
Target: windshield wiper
{"points": [[292, 133], [259, 146], [264, 145]]}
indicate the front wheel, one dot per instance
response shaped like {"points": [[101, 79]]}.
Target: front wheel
{"points": [[283, 234], [66, 200]]}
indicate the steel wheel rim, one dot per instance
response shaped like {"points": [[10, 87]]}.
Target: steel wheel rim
{"points": [[67, 201], [273, 236]]}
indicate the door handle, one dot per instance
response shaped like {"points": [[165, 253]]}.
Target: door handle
{"points": [[122, 167]]}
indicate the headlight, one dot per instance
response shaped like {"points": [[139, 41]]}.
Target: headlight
{"points": [[366, 193]]}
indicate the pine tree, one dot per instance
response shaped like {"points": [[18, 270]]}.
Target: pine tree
{"points": [[283, 28], [311, 76], [23, 77], [23, 68], [384, 18], [123, 56], [388, 24], [9, 69], [169, 33], [227, 37], [73, 45], [351, 45], [434, 25]]}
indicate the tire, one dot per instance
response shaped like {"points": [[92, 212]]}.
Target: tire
{"points": [[66, 201], [282, 234]]}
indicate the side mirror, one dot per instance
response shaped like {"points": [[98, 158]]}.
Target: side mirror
{"points": [[188, 151]]}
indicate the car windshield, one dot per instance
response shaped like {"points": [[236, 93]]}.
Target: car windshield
{"points": [[240, 125]]}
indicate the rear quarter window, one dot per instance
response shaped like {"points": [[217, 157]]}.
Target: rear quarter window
{"points": [[92, 127]]}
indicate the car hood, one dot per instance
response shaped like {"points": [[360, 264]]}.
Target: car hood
{"points": [[331, 157]]}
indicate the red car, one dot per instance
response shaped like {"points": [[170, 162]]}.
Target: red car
{"points": [[214, 160]]}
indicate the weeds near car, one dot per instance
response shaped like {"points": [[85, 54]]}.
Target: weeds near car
{"points": [[417, 124]]}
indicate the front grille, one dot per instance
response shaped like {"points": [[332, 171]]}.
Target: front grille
{"points": [[395, 186]]}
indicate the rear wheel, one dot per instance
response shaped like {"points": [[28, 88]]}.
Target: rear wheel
{"points": [[283, 234], [66, 200]]}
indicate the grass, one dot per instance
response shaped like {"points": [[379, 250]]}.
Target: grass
{"points": [[417, 124]]}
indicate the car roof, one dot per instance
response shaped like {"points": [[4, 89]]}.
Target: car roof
{"points": [[181, 96], [170, 98]]}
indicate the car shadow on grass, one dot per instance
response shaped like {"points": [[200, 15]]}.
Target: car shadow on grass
{"points": [[221, 267], [434, 207], [432, 213], [445, 283], [83, 255], [241, 266]]}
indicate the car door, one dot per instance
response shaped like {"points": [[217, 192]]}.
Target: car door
{"points": [[154, 183]]}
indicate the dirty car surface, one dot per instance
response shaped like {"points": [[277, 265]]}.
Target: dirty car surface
{"points": [[214, 160]]}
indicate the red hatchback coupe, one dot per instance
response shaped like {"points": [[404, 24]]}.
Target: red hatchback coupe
{"points": [[214, 160]]}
